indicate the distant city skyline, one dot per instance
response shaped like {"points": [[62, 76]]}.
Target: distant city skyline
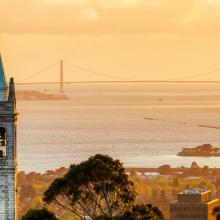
{"points": [[137, 39]]}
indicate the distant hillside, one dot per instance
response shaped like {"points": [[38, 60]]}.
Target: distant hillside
{"points": [[26, 95]]}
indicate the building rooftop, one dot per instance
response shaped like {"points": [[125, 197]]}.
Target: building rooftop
{"points": [[194, 195], [194, 191]]}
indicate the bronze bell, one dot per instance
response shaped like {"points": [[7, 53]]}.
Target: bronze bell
{"points": [[2, 143]]}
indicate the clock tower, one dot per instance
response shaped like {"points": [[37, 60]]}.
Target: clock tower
{"points": [[8, 154]]}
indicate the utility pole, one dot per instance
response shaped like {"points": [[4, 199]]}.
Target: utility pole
{"points": [[61, 77]]}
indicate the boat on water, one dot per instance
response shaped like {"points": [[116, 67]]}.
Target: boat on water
{"points": [[205, 150]]}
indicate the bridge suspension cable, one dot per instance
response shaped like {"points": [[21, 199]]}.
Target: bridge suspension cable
{"points": [[98, 73], [195, 75], [112, 76], [37, 73]]}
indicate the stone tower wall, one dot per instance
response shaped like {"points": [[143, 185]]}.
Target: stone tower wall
{"points": [[8, 163], [7, 194]]}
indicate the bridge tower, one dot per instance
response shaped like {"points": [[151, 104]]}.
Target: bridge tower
{"points": [[61, 77], [8, 163]]}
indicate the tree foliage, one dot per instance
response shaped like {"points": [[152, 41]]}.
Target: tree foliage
{"points": [[217, 182], [176, 182], [97, 186], [216, 212], [39, 214], [143, 212], [164, 169], [139, 212], [33, 185]]}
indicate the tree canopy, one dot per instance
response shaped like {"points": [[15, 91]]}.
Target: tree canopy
{"points": [[139, 212], [216, 212], [42, 214], [96, 187], [143, 212]]}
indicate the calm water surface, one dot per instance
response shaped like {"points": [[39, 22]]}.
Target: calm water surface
{"points": [[116, 119]]}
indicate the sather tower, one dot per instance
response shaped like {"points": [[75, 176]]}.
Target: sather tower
{"points": [[8, 164]]}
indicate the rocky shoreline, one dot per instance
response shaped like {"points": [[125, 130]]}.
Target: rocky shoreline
{"points": [[205, 150]]}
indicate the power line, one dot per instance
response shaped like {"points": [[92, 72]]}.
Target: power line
{"points": [[98, 73], [37, 73]]}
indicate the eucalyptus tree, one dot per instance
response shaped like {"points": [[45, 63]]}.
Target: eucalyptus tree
{"points": [[39, 214], [96, 187]]}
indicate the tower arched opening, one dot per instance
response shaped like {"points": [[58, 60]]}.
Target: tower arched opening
{"points": [[2, 142]]}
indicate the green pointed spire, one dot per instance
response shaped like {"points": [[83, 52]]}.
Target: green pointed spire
{"points": [[3, 84], [2, 75]]}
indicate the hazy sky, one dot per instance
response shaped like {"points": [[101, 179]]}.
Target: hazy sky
{"points": [[137, 39]]}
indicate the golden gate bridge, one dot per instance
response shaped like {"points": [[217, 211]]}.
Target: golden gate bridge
{"points": [[109, 77]]}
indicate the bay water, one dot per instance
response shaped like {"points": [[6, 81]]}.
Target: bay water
{"points": [[142, 124]]}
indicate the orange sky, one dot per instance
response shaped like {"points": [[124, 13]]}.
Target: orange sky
{"points": [[137, 39]]}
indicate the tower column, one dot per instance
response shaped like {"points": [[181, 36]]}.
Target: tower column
{"points": [[61, 77]]}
